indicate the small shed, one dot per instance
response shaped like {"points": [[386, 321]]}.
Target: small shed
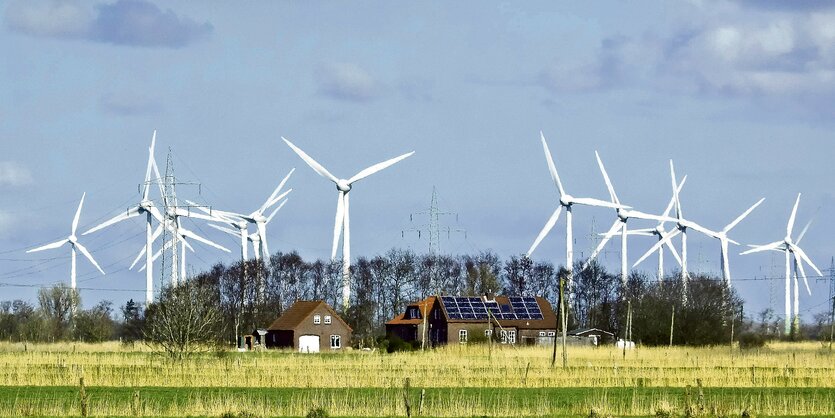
{"points": [[598, 336], [309, 327]]}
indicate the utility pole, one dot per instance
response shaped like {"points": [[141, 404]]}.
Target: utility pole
{"points": [[831, 279], [564, 323], [672, 322]]}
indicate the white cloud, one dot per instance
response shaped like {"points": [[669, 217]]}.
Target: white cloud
{"points": [[347, 81], [55, 18], [14, 174]]}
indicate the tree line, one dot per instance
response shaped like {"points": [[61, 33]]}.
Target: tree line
{"points": [[219, 305]]}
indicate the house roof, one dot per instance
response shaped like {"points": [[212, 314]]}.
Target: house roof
{"points": [[424, 305], [589, 331], [297, 314], [548, 321]]}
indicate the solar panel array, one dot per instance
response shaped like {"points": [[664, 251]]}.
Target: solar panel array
{"points": [[458, 307]]}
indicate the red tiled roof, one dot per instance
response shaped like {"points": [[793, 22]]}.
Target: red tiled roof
{"points": [[424, 305], [297, 313]]}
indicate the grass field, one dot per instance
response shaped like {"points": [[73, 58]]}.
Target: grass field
{"points": [[781, 380]]}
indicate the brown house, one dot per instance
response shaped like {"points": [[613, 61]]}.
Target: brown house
{"points": [[456, 319], [309, 327]]}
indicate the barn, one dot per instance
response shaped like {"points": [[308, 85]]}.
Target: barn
{"points": [[525, 320], [309, 327]]}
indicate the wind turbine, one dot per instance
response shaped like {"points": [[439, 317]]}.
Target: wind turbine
{"points": [[620, 225], [257, 217], [73, 241], [146, 207], [566, 201], [789, 248], [342, 210], [661, 232]]}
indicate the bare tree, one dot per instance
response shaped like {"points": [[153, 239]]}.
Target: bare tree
{"points": [[184, 320]]}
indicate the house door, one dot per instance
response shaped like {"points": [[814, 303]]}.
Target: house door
{"points": [[309, 344]]}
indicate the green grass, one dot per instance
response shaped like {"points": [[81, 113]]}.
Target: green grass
{"points": [[40, 400]]}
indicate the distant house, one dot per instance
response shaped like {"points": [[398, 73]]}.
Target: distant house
{"points": [[595, 335], [309, 327], [456, 319]]}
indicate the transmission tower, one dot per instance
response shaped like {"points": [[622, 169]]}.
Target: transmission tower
{"points": [[172, 266], [433, 227]]}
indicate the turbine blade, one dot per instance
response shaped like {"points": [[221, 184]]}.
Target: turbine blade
{"points": [[78, 213], [608, 181], [89, 256], [741, 217], [270, 200], [377, 167], [337, 226], [147, 189], [278, 198], [803, 232], [226, 230], [617, 226], [551, 167], [806, 258], [545, 230], [790, 225], [134, 211], [699, 228], [270, 218], [647, 232], [655, 247], [191, 214], [138, 257], [765, 247], [311, 162], [648, 216], [188, 234], [675, 190], [55, 244], [799, 263], [588, 201], [673, 251]]}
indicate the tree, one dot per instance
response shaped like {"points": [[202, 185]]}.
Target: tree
{"points": [[95, 324], [133, 320], [57, 303], [185, 319]]}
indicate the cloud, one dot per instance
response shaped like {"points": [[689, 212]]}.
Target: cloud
{"points": [[125, 22], [129, 104], [14, 174], [348, 82], [55, 19], [140, 23]]}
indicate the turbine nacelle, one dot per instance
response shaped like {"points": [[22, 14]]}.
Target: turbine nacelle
{"points": [[566, 200], [343, 186]]}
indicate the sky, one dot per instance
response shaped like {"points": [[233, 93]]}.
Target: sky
{"points": [[740, 94]]}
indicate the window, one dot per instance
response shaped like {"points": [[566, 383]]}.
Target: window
{"points": [[327, 319], [413, 313], [317, 319], [552, 333], [437, 314], [462, 336], [541, 333], [508, 336], [488, 333], [336, 342]]}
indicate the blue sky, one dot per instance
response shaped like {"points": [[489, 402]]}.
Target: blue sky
{"points": [[738, 93]]}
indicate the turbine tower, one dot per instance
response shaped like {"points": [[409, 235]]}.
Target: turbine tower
{"points": [[623, 215], [566, 201], [343, 186], [790, 248], [146, 207], [73, 241]]}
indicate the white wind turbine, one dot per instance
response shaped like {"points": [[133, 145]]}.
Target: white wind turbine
{"points": [[620, 225], [724, 241], [789, 248], [73, 241], [146, 207], [661, 232], [241, 231], [342, 210], [566, 201]]}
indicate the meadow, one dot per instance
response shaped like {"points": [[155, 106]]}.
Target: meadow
{"points": [[783, 379]]}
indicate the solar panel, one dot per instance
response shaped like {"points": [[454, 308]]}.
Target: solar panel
{"points": [[473, 308]]}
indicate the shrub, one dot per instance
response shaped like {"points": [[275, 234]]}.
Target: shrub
{"points": [[317, 413], [749, 340]]}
